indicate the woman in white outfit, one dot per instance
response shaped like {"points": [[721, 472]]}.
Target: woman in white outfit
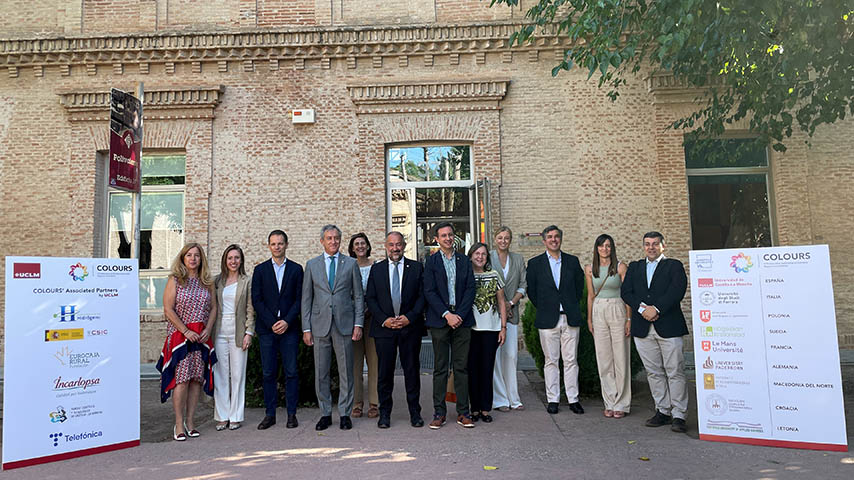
{"points": [[609, 320], [511, 268], [233, 331]]}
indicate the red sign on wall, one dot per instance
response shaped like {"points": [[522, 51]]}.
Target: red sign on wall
{"points": [[125, 140]]}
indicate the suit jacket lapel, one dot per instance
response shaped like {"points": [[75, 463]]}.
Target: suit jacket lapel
{"points": [[284, 275], [655, 275], [442, 274]]}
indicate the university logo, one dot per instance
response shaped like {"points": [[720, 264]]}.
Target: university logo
{"points": [[708, 381], [27, 270], [708, 364], [704, 261], [705, 316], [741, 263], [705, 282], [78, 272], [706, 345]]}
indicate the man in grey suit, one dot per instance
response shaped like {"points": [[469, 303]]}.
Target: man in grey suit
{"points": [[332, 318]]}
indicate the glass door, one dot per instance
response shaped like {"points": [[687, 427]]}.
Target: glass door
{"points": [[428, 185]]}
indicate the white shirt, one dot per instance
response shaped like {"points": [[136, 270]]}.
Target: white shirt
{"points": [[391, 275], [329, 258], [651, 265], [279, 270], [555, 264]]}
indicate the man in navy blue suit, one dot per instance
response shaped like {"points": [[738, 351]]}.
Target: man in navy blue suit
{"points": [[276, 296], [449, 291]]}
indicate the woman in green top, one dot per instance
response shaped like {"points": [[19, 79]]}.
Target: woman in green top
{"points": [[609, 320]]}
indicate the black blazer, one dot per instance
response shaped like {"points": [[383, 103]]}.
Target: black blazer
{"points": [[378, 298], [545, 295], [665, 292], [436, 290], [268, 299]]}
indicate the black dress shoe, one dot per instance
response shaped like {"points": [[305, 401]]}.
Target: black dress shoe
{"points": [[475, 417], [267, 423], [576, 407], [384, 421], [292, 421], [346, 424], [658, 420], [324, 423], [416, 421], [552, 408], [678, 426], [487, 418]]}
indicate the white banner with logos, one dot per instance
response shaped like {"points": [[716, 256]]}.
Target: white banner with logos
{"points": [[765, 347], [71, 366]]}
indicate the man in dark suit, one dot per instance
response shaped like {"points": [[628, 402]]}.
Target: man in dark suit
{"points": [[555, 285], [396, 301], [449, 292], [276, 296], [654, 288]]}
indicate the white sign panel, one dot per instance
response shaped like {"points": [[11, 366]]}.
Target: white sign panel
{"points": [[766, 349], [71, 368]]}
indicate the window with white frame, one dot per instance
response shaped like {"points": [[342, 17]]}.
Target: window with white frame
{"points": [[161, 226], [429, 184], [729, 190]]}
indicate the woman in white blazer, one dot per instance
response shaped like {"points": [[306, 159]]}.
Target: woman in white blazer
{"points": [[511, 268], [232, 333]]}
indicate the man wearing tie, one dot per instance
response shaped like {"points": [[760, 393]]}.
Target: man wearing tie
{"points": [[332, 318], [654, 288], [555, 285], [276, 287], [396, 302], [449, 292]]}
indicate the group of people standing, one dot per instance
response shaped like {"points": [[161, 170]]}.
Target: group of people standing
{"points": [[376, 312]]}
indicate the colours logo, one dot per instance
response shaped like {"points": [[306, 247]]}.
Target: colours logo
{"points": [[27, 270], [741, 263], [78, 272]]}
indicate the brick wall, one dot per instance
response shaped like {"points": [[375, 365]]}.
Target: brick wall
{"points": [[556, 149]]}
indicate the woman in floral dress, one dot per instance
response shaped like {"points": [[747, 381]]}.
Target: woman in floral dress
{"points": [[187, 357]]}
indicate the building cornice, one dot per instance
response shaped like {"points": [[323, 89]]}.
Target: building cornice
{"points": [[297, 45], [412, 97], [158, 104]]}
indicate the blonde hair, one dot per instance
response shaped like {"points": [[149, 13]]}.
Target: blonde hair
{"points": [[180, 272]]}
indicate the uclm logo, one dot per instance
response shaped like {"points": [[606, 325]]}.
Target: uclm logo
{"points": [[705, 282], [27, 270]]}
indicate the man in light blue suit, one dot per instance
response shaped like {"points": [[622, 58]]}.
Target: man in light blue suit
{"points": [[332, 318]]}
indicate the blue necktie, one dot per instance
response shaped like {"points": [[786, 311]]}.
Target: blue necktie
{"points": [[331, 272], [395, 289]]}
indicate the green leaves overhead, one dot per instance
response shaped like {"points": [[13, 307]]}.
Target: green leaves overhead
{"points": [[780, 64]]}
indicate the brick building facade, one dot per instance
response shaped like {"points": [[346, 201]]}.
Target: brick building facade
{"points": [[383, 77]]}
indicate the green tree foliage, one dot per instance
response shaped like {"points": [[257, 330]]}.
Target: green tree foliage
{"points": [[588, 372], [780, 64]]}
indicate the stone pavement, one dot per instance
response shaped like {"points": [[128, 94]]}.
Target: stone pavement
{"points": [[527, 444]]}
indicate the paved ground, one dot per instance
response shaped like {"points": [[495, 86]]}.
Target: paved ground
{"points": [[527, 444]]}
